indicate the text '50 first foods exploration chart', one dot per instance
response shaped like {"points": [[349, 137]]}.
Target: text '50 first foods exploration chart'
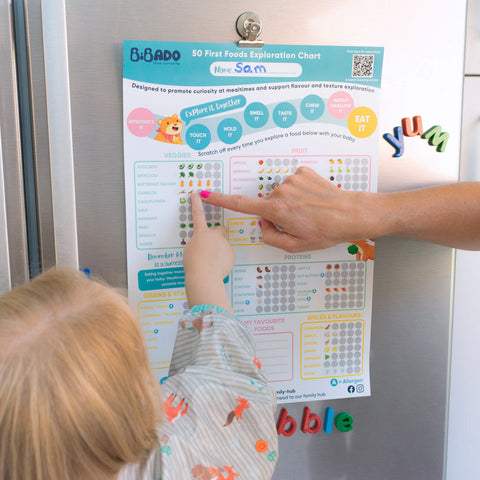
{"points": [[239, 120]]}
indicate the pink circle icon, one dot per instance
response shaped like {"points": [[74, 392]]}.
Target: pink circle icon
{"points": [[340, 104], [141, 122]]}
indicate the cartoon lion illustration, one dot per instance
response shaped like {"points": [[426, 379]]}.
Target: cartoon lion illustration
{"points": [[169, 130]]}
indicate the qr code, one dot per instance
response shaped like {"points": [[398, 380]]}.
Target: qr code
{"points": [[362, 66]]}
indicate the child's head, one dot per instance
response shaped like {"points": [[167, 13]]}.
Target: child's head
{"points": [[77, 397]]}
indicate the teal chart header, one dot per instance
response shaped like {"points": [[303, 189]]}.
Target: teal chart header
{"points": [[194, 64]]}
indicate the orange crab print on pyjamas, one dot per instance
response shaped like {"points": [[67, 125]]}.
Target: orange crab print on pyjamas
{"points": [[200, 472], [173, 413]]}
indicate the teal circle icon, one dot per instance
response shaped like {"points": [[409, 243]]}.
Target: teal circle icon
{"points": [[312, 107], [229, 131], [284, 115], [198, 137], [256, 115]]}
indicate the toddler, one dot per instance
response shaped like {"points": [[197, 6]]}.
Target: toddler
{"points": [[78, 400]]}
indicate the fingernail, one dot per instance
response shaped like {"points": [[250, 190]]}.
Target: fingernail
{"points": [[260, 223], [205, 193]]}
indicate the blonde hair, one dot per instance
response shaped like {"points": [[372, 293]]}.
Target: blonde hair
{"points": [[77, 397]]}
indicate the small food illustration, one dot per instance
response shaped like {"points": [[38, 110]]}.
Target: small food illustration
{"points": [[363, 249]]}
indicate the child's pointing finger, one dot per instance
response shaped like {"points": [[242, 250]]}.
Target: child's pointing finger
{"points": [[198, 213]]}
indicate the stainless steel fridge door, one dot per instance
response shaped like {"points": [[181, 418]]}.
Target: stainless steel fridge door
{"points": [[13, 238], [399, 432]]}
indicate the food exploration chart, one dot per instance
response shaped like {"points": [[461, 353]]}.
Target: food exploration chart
{"points": [[238, 120]]}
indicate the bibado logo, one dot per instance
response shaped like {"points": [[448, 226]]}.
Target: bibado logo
{"points": [[149, 55]]}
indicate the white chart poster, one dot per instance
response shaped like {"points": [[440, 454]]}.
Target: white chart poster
{"points": [[223, 118]]}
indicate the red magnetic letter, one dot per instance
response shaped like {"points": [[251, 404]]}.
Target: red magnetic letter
{"points": [[283, 420], [308, 416], [417, 126]]}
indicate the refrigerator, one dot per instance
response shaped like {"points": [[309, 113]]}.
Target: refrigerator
{"points": [[464, 437], [62, 188]]}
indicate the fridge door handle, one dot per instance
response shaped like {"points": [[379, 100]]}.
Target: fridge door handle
{"points": [[60, 132], [470, 162], [14, 259], [475, 6], [5, 282]]}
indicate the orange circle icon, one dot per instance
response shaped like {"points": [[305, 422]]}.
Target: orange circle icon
{"points": [[261, 446]]}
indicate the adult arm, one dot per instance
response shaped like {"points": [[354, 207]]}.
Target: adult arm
{"points": [[311, 213]]}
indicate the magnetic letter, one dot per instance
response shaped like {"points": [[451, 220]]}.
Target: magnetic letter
{"points": [[396, 140], [344, 422], [437, 138], [327, 426], [283, 420], [417, 126], [308, 416]]}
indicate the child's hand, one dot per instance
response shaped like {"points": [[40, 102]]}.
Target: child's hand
{"points": [[207, 259], [208, 250]]}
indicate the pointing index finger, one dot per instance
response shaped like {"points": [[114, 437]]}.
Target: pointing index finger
{"points": [[198, 213], [237, 203]]}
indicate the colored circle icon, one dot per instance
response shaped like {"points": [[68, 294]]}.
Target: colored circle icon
{"points": [[256, 115], [141, 122], [362, 122], [261, 446], [198, 137], [229, 131], [284, 115], [340, 104], [312, 107]]}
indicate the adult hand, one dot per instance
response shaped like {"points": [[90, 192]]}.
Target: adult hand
{"points": [[310, 212], [207, 259]]}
